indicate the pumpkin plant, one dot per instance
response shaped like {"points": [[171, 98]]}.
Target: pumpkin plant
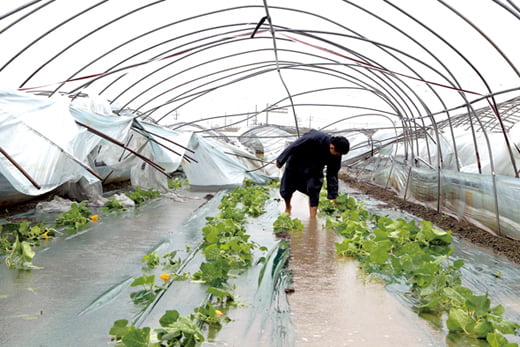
{"points": [[420, 257]]}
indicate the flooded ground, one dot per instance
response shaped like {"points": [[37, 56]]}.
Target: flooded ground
{"points": [[84, 285], [333, 305]]}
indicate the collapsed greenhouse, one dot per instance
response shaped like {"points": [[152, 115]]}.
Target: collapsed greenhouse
{"points": [[139, 183]]}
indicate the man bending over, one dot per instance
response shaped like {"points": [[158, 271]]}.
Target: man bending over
{"points": [[305, 160]]}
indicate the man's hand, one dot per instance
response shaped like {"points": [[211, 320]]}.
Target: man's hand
{"points": [[278, 165]]}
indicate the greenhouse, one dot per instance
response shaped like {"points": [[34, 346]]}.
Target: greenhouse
{"points": [[142, 176]]}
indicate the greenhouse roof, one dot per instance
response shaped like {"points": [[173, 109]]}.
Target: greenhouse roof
{"points": [[377, 62], [425, 73]]}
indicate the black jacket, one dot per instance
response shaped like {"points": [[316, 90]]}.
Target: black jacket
{"points": [[309, 155]]}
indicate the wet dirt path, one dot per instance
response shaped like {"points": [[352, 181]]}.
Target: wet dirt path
{"points": [[333, 305]]}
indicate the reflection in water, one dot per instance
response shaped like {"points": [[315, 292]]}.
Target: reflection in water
{"points": [[333, 306]]}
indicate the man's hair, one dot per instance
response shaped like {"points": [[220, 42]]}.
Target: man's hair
{"points": [[341, 144]]}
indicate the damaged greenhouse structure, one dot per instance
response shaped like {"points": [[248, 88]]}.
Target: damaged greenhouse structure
{"points": [[139, 182]]}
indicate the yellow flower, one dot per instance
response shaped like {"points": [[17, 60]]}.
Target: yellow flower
{"points": [[94, 218], [165, 277], [218, 313], [45, 235]]}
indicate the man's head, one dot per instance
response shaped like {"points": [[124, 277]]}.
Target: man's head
{"points": [[339, 145]]}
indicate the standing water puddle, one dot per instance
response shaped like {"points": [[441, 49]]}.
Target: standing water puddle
{"points": [[333, 305]]}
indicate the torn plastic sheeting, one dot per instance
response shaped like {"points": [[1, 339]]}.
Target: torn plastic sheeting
{"points": [[115, 127], [43, 145], [466, 154], [144, 175], [271, 140], [382, 138], [162, 156], [214, 167]]}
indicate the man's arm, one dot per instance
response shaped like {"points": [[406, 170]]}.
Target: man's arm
{"points": [[332, 178]]}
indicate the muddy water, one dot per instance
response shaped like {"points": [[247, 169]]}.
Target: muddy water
{"points": [[334, 305]]}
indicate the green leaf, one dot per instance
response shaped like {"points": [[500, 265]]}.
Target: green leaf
{"points": [[27, 252], [379, 253], [437, 284], [432, 305], [480, 304], [119, 328], [498, 310], [151, 260], [482, 329], [210, 232], [457, 264], [459, 320], [169, 317], [456, 297], [220, 293], [496, 340], [380, 235], [143, 281], [505, 326], [188, 326], [137, 337], [212, 252]]}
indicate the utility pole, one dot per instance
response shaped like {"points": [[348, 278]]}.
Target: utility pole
{"points": [[266, 114]]}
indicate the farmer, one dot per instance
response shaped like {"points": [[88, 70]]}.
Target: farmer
{"points": [[306, 158]]}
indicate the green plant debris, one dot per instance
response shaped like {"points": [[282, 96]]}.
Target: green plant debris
{"points": [[226, 247], [21, 256], [177, 183], [150, 290], [113, 205], [284, 223], [139, 195], [175, 330], [152, 260], [76, 218], [419, 256], [17, 240]]}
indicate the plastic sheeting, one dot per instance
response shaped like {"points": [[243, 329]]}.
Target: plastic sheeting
{"points": [[479, 272], [266, 141], [44, 145], [42, 137], [465, 196], [84, 285], [220, 164], [467, 174], [163, 146], [454, 149]]}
